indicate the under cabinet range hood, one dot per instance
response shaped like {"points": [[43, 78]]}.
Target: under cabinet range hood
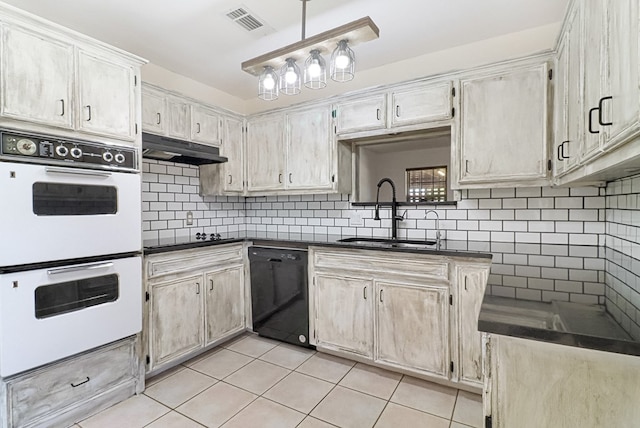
{"points": [[180, 151]]}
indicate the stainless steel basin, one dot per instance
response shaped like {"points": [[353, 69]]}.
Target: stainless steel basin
{"points": [[390, 243]]}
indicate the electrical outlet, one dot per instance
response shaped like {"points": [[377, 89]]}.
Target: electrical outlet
{"points": [[189, 218], [355, 218]]}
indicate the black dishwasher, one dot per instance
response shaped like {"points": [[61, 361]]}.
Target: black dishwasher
{"points": [[279, 294]]}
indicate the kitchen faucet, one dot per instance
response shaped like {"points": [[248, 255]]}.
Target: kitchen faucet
{"points": [[394, 207], [426, 214]]}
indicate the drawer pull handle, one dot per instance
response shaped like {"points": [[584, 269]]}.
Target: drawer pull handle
{"points": [[89, 111], [600, 110], [591, 130], [62, 104], [378, 114], [398, 111], [197, 288], [280, 178], [381, 300], [75, 385], [211, 285], [364, 292], [290, 178], [159, 119], [198, 127], [230, 178]]}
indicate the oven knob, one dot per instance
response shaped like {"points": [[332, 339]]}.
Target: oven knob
{"points": [[26, 147], [62, 151], [107, 156], [119, 157], [76, 152]]}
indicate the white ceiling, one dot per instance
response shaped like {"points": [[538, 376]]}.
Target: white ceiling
{"points": [[194, 38]]}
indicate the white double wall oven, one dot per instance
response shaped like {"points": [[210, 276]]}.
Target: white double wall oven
{"points": [[70, 259]]}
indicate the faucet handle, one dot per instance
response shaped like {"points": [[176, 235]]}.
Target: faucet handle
{"points": [[402, 216]]}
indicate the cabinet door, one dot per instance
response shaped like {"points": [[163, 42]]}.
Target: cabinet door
{"points": [[419, 105], [560, 140], [205, 126], [575, 102], [622, 111], [413, 327], [265, 150], [309, 149], [36, 78], [154, 107], [106, 97], [224, 302], [502, 138], [471, 283], [361, 115], [344, 314], [176, 319], [179, 123], [593, 16], [233, 148]]}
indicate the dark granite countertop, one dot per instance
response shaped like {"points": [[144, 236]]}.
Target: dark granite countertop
{"points": [[565, 323], [294, 240]]}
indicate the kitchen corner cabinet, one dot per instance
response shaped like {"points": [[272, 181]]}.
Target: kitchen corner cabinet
{"points": [[400, 107], [471, 281], [400, 311], [533, 384], [196, 299], [55, 80], [502, 138], [227, 178], [66, 391]]}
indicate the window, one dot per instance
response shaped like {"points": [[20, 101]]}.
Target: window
{"points": [[427, 184]]}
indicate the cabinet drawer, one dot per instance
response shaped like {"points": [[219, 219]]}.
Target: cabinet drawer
{"points": [[382, 262], [72, 381], [188, 260]]}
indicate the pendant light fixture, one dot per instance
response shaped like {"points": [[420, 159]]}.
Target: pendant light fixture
{"points": [[268, 84], [289, 79]]}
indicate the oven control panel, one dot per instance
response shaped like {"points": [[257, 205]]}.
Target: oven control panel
{"points": [[52, 150]]}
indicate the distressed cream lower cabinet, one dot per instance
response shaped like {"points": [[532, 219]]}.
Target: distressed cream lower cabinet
{"points": [[195, 300], [532, 384], [415, 313], [62, 393]]}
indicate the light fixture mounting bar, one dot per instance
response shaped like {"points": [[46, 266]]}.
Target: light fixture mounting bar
{"points": [[358, 31]]}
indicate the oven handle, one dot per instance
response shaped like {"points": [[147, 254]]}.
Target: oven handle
{"points": [[54, 170], [88, 266]]}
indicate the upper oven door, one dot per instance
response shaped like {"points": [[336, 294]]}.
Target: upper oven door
{"points": [[54, 213]]}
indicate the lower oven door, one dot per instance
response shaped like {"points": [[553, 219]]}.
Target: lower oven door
{"points": [[54, 213], [52, 313]]}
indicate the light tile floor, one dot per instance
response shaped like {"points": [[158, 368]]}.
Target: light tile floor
{"points": [[255, 382]]}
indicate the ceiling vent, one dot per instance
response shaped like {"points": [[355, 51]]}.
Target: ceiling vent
{"points": [[246, 19]]}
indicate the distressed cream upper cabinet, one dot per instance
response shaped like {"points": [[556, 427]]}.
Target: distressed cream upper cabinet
{"points": [[413, 326], [471, 281], [344, 313], [621, 91], [233, 148], [425, 103], [106, 96], [224, 302], [176, 314], [310, 149], [265, 153], [154, 110], [205, 125], [179, 125], [37, 78], [503, 138], [362, 114]]}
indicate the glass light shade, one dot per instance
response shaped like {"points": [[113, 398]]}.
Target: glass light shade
{"points": [[290, 77], [315, 71], [343, 62], [268, 84]]}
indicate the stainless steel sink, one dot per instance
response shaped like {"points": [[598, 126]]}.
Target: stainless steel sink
{"points": [[390, 243]]}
